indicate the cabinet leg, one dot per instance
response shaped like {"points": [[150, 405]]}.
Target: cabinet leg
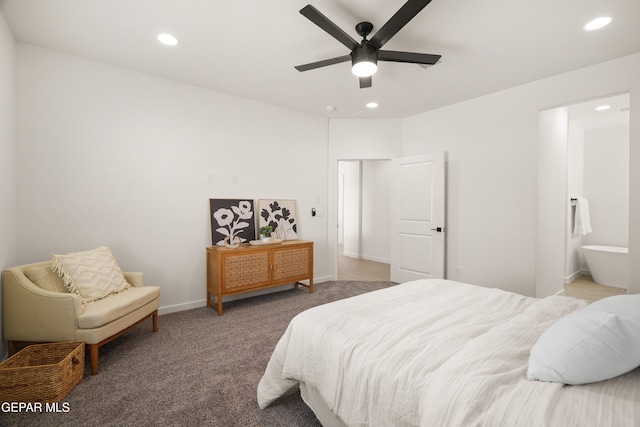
{"points": [[217, 304], [309, 286]]}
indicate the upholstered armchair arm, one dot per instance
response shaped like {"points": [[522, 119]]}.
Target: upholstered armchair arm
{"points": [[135, 278], [34, 314]]}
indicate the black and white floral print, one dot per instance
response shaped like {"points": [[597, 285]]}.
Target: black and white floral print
{"points": [[231, 221], [281, 216]]}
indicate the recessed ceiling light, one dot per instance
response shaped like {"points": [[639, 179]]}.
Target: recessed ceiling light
{"points": [[597, 23], [372, 105], [603, 107], [331, 108], [167, 39]]}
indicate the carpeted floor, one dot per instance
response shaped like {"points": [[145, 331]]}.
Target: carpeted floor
{"points": [[197, 370]]}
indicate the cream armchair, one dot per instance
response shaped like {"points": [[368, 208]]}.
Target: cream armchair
{"points": [[36, 307]]}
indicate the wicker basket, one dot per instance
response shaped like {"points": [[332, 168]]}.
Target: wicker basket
{"points": [[42, 372]]}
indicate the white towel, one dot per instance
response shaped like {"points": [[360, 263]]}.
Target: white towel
{"points": [[582, 224]]}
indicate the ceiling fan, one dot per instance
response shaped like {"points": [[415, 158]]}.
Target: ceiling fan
{"points": [[365, 55]]}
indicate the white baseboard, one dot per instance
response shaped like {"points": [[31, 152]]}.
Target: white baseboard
{"points": [[182, 307], [367, 257], [351, 254], [574, 276], [203, 302], [376, 259]]}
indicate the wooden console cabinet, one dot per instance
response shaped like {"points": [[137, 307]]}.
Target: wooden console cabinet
{"points": [[248, 268]]}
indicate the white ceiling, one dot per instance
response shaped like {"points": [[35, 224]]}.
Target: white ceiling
{"points": [[248, 48], [588, 117]]}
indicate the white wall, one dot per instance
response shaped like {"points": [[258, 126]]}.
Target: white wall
{"points": [[490, 181], [553, 200], [350, 200], [8, 209], [113, 157], [376, 210], [575, 188], [364, 221], [491, 143], [634, 182], [606, 185], [109, 156]]}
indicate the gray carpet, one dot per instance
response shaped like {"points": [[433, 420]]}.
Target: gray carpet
{"points": [[197, 370]]}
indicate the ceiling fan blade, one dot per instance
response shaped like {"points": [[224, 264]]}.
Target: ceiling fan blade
{"points": [[323, 63], [416, 58], [405, 14], [365, 82], [323, 22]]}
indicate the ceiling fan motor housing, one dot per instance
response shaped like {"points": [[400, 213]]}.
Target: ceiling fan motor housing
{"points": [[364, 29], [364, 52]]}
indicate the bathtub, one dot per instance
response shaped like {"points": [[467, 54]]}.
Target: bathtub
{"points": [[609, 265]]}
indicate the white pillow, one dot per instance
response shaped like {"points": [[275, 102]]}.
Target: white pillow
{"points": [[595, 343], [92, 274]]}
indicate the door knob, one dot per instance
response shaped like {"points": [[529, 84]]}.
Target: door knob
{"points": [[438, 229]]}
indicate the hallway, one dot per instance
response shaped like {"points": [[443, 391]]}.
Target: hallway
{"points": [[361, 269]]}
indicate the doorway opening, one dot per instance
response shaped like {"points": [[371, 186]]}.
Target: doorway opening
{"points": [[583, 179], [364, 233]]}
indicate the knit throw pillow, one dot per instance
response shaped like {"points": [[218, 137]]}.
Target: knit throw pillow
{"points": [[92, 274]]}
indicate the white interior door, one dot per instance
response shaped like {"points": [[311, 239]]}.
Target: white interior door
{"points": [[417, 218]]}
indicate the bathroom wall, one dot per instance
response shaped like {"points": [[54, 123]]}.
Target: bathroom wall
{"points": [[598, 169], [606, 185]]}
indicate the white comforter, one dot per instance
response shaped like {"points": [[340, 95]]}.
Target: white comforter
{"points": [[439, 353]]}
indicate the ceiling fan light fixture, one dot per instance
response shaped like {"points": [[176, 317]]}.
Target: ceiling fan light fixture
{"points": [[364, 61], [364, 68]]}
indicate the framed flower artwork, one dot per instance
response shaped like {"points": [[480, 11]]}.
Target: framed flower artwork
{"points": [[281, 216], [232, 221]]}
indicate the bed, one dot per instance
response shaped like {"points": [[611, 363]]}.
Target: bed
{"points": [[438, 353]]}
